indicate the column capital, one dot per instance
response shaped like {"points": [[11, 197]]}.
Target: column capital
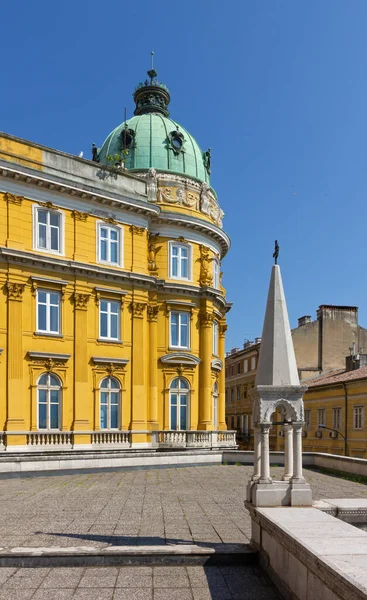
{"points": [[81, 300], [222, 330], [79, 216], [15, 291], [137, 230], [152, 311], [137, 309], [206, 319]]}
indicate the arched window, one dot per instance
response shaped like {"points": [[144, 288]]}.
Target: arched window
{"points": [[215, 405], [49, 401], [110, 396], [179, 404]]}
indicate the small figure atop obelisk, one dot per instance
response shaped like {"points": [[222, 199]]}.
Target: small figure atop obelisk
{"points": [[276, 252]]}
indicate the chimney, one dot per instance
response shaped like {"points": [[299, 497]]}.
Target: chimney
{"points": [[304, 320]]}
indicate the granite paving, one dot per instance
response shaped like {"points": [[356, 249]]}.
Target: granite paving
{"points": [[200, 505], [136, 583]]}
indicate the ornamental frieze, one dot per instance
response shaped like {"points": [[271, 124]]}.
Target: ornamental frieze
{"points": [[202, 201], [12, 199]]}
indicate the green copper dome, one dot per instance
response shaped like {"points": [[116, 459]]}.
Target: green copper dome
{"points": [[151, 139]]}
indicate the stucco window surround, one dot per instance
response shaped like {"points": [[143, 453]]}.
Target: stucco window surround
{"points": [[49, 397], [110, 404], [48, 312], [321, 416], [179, 404], [180, 261], [337, 418], [179, 329], [109, 244], [48, 230], [358, 417], [109, 320]]}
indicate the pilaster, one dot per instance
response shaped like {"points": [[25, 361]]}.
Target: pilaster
{"points": [[152, 313], [15, 238], [205, 378], [139, 400], [15, 412], [81, 387], [222, 378]]}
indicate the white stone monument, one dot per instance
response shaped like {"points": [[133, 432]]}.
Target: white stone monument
{"points": [[277, 388]]}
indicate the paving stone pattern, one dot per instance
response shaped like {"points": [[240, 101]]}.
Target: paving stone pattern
{"points": [[136, 583], [201, 505]]}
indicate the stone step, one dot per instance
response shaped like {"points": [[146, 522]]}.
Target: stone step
{"points": [[85, 556]]}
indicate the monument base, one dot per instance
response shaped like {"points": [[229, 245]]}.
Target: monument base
{"points": [[278, 493]]}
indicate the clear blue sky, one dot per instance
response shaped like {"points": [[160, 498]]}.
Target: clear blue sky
{"points": [[277, 89]]}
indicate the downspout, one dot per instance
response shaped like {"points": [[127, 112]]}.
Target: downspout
{"points": [[345, 419]]}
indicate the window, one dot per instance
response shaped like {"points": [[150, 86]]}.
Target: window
{"points": [[109, 394], [215, 337], [337, 418], [109, 320], [358, 417], [253, 363], [245, 366], [180, 256], [49, 401], [238, 394], [245, 423], [232, 395], [109, 244], [216, 273], [321, 416], [307, 419], [179, 401], [238, 368], [48, 230], [215, 404], [179, 329], [48, 312]]}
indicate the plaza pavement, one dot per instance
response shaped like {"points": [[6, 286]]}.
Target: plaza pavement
{"points": [[200, 505]]}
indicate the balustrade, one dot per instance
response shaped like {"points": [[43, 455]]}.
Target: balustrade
{"points": [[122, 438], [57, 438]]}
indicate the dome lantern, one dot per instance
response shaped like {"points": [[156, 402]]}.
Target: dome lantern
{"points": [[151, 96]]}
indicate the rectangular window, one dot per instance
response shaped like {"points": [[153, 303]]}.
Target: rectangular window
{"points": [[232, 395], [307, 419], [48, 230], [48, 311], [109, 320], [245, 366], [337, 418], [253, 363], [238, 368], [358, 417], [216, 269], [179, 326], [180, 257], [109, 244], [215, 337], [321, 416], [238, 394]]}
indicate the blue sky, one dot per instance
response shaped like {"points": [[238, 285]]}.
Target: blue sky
{"points": [[276, 88]]}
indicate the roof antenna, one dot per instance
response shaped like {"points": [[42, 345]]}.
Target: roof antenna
{"points": [[152, 73], [152, 55]]}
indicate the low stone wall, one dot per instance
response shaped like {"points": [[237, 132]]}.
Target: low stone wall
{"points": [[309, 554]]}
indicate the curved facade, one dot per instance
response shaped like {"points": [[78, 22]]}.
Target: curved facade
{"points": [[113, 317]]}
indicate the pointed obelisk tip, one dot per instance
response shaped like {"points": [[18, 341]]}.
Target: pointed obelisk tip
{"points": [[276, 252]]}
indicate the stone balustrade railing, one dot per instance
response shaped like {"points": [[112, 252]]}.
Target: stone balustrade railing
{"points": [[57, 438], [193, 439], [122, 438]]}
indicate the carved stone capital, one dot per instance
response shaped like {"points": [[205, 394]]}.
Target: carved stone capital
{"points": [[152, 310], [206, 319], [81, 301], [80, 216], [206, 275], [48, 205], [222, 330], [137, 309], [137, 230], [15, 291], [109, 220], [12, 199]]}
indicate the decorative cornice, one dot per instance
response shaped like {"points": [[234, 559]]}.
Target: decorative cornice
{"points": [[13, 199], [81, 300], [180, 358], [49, 360], [137, 309], [137, 230], [152, 312], [106, 360], [217, 364], [15, 290]]}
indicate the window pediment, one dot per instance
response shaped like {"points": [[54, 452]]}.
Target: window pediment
{"points": [[180, 358]]}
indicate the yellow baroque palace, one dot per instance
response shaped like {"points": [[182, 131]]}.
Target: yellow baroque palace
{"points": [[113, 315]]}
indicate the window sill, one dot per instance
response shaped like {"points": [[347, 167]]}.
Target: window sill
{"points": [[47, 334], [47, 251], [108, 341], [179, 348], [110, 264]]}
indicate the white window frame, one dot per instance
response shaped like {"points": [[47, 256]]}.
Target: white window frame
{"points": [[358, 417], [109, 391], [108, 338], [253, 363], [48, 250], [321, 411], [337, 418], [120, 253], [215, 349], [308, 418], [48, 403], [216, 273], [189, 261], [179, 392], [179, 312], [48, 331], [245, 365]]}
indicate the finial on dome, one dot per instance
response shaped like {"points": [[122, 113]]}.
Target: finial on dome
{"points": [[151, 96]]}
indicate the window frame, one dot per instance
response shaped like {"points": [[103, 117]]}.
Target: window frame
{"points": [[48, 402], [178, 391], [245, 365], [253, 362], [180, 312], [109, 313], [356, 408], [216, 273], [337, 422], [109, 391], [120, 243], [215, 348], [308, 421], [323, 412], [48, 312], [171, 244], [61, 251]]}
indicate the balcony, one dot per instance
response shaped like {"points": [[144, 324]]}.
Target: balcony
{"points": [[193, 439]]}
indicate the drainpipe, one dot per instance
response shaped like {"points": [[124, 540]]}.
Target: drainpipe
{"points": [[345, 419]]}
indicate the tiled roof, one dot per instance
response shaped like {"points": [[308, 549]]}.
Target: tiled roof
{"points": [[336, 377]]}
